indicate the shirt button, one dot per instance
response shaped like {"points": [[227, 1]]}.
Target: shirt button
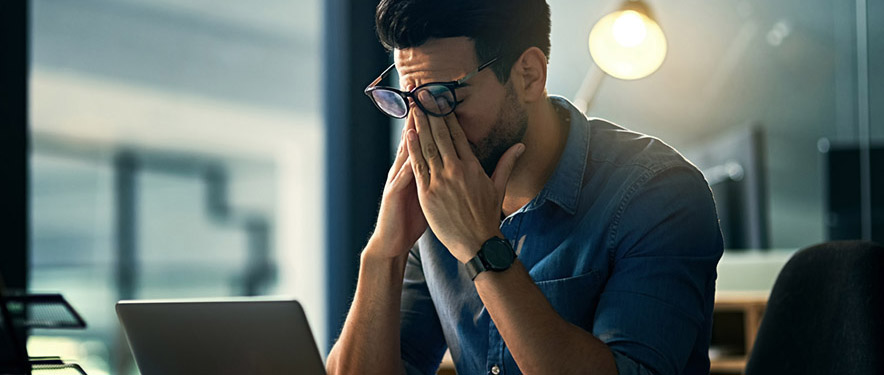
{"points": [[495, 369]]}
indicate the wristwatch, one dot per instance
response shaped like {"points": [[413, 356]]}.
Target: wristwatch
{"points": [[496, 254]]}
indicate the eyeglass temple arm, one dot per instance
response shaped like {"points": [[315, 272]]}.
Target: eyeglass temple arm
{"points": [[479, 69], [381, 77]]}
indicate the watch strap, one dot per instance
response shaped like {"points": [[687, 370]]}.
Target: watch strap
{"points": [[475, 266]]}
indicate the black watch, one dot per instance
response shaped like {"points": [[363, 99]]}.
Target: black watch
{"points": [[496, 254]]}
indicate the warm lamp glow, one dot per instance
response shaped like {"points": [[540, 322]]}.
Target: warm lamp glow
{"points": [[628, 29], [627, 44]]}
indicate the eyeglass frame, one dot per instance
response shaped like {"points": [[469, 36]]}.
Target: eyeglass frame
{"points": [[450, 85]]}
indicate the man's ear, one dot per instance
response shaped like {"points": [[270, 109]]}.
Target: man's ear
{"points": [[529, 75]]}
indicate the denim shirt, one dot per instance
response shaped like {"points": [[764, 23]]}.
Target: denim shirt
{"points": [[623, 241]]}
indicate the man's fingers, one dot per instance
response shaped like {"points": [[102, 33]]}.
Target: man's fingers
{"points": [[439, 127], [505, 166], [409, 121], [401, 156], [427, 144], [403, 146], [418, 163], [461, 144], [405, 173]]}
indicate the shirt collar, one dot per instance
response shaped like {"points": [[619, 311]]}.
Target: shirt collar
{"points": [[563, 187]]}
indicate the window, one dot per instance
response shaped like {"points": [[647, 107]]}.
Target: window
{"points": [[177, 151]]}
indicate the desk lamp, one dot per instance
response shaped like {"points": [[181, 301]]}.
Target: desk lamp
{"points": [[627, 44]]}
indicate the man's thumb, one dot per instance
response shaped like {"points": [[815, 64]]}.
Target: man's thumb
{"points": [[505, 166]]}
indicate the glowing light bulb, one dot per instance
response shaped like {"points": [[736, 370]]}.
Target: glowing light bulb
{"points": [[627, 44], [628, 29]]}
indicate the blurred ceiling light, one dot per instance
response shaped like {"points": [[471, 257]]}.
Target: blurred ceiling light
{"points": [[628, 43], [779, 32]]}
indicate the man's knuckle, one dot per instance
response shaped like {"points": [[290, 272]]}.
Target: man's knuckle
{"points": [[430, 150], [455, 171]]}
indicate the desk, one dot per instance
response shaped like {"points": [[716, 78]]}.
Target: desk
{"points": [[447, 366], [745, 278], [735, 321]]}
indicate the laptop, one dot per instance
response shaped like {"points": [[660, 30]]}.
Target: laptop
{"points": [[258, 336]]}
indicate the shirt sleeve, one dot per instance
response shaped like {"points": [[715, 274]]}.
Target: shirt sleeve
{"points": [[423, 344], [665, 246]]}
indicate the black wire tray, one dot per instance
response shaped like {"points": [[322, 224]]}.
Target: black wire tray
{"points": [[54, 366], [50, 311]]}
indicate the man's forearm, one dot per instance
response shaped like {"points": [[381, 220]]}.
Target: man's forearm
{"points": [[369, 341], [539, 339]]}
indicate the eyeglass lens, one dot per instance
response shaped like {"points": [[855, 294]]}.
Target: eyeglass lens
{"points": [[442, 95], [395, 105], [390, 102]]}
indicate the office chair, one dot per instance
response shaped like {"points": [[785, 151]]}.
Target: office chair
{"points": [[825, 314]]}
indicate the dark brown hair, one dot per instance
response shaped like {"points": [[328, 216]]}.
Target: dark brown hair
{"points": [[499, 28]]}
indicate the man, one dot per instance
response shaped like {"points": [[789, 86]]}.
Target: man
{"points": [[514, 231]]}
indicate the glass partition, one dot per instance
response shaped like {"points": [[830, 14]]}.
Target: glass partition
{"points": [[176, 152]]}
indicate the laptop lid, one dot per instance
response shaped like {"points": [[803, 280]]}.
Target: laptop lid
{"points": [[220, 336]]}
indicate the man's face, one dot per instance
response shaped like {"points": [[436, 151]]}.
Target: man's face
{"points": [[490, 113]]}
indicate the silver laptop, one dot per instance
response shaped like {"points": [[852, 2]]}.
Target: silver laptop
{"points": [[255, 336]]}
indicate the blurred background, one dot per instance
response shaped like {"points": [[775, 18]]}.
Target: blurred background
{"points": [[194, 148], [176, 151]]}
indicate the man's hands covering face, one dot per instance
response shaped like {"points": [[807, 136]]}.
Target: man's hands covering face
{"points": [[400, 219], [461, 204]]}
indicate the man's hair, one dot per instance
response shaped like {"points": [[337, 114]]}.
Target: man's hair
{"points": [[499, 28]]}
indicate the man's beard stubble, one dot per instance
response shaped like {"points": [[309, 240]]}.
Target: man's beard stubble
{"points": [[509, 129]]}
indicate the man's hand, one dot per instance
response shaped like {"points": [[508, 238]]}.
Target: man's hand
{"points": [[400, 220], [370, 341], [460, 202]]}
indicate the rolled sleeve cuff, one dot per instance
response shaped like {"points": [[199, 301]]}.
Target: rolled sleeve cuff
{"points": [[627, 366]]}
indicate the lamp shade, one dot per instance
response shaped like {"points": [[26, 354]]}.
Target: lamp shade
{"points": [[628, 43]]}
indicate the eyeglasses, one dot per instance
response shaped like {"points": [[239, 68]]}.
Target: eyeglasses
{"points": [[394, 102]]}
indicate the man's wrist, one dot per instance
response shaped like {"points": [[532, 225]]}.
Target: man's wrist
{"points": [[485, 277], [380, 249], [471, 248], [377, 263], [496, 254]]}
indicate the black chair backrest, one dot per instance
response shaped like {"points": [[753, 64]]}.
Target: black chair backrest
{"points": [[825, 314]]}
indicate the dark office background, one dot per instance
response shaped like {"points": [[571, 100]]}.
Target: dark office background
{"points": [[192, 148], [13, 142]]}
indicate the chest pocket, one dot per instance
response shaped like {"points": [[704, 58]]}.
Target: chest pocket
{"points": [[575, 298]]}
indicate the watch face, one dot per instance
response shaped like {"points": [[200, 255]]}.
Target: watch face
{"points": [[499, 254]]}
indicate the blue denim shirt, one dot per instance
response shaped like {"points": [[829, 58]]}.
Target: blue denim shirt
{"points": [[623, 241]]}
